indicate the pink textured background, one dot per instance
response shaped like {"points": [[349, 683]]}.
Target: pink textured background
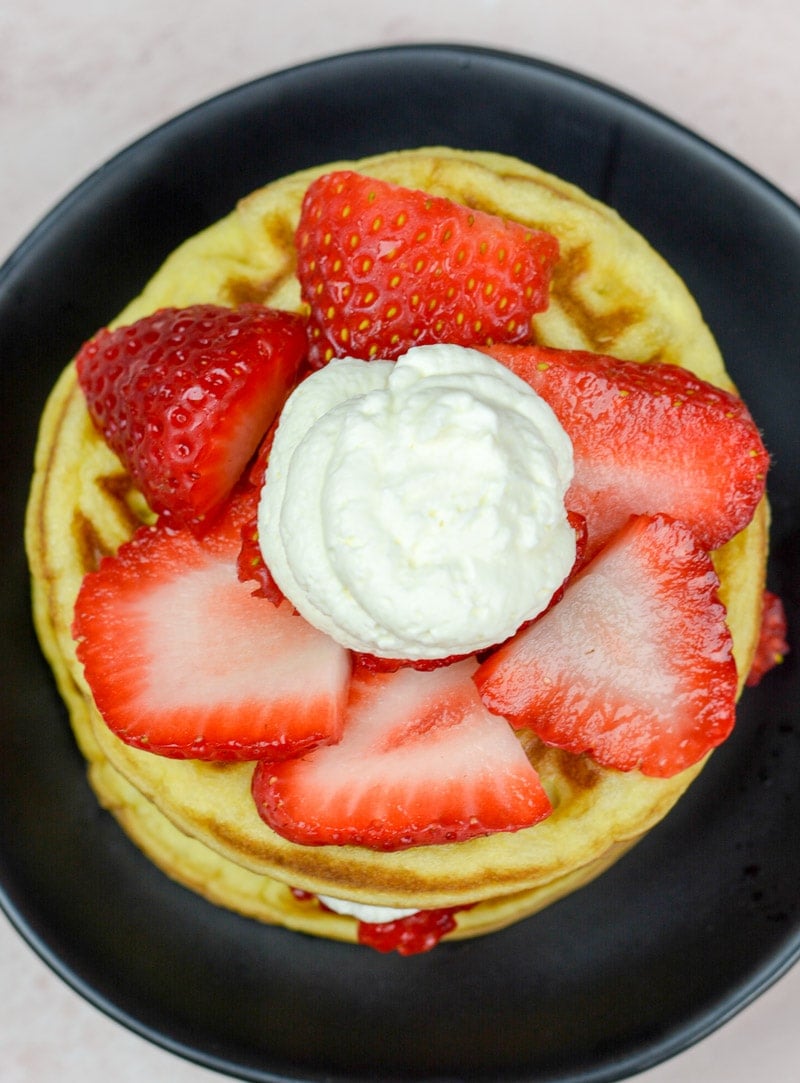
{"points": [[80, 81]]}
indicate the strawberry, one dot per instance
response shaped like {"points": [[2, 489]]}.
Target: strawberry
{"points": [[420, 761], [184, 397], [772, 643], [183, 661], [383, 268], [633, 665], [250, 565], [648, 438]]}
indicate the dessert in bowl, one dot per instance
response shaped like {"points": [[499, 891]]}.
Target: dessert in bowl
{"points": [[235, 820]]}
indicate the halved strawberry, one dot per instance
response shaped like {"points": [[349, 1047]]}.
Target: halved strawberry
{"points": [[184, 397], [420, 761], [634, 664], [182, 660], [383, 268], [648, 438]]}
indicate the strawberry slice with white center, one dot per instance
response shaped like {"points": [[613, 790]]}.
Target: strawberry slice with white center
{"points": [[634, 664], [183, 661], [420, 761], [648, 439]]}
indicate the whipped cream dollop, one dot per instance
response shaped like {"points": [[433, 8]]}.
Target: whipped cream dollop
{"points": [[415, 509]]}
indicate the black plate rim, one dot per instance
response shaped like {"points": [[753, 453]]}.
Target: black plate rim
{"points": [[772, 968]]}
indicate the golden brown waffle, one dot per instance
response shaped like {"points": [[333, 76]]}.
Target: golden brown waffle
{"points": [[611, 293]]}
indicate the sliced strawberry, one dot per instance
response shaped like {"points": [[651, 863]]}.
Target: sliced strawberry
{"points": [[420, 761], [183, 661], [383, 268], [258, 468], [250, 565], [184, 397], [648, 438], [633, 665], [772, 644]]}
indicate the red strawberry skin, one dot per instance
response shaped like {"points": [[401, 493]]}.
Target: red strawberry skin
{"points": [[184, 662], [634, 664], [420, 761], [773, 644], [648, 438], [250, 565], [383, 268], [184, 397]]}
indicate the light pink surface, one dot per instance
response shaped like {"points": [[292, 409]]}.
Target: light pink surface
{"points": [[80, 81]]}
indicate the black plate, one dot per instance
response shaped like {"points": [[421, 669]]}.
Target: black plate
{"points": [[701, 917]]}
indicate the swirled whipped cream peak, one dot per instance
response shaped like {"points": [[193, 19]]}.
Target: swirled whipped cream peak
{"points": [[415, 509]]}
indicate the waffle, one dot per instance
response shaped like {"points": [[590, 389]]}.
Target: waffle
{"points": [[612, 293]]}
